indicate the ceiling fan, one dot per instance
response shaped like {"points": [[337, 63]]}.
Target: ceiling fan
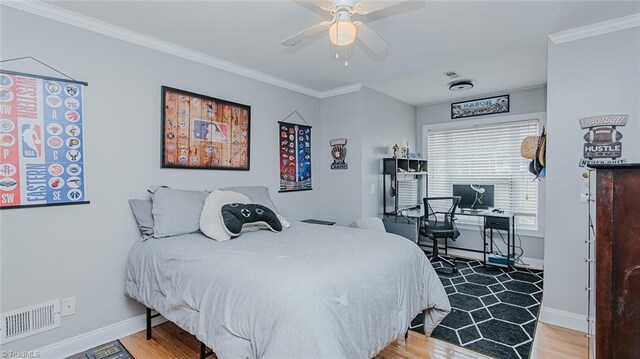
{"points": [[341, 29]]}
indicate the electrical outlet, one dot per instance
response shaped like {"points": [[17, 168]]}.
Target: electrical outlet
{"points": [[68, 306], [373, 188]]}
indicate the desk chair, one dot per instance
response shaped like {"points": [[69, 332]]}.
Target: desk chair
{"points": [[440, 225]]}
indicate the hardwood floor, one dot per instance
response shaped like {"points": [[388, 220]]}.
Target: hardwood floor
{"points": [[551, 342]]}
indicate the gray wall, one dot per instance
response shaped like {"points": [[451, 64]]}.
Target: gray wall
{"points": [[522, 102], [57, 252], [593, 76], [372, 122], [341, 118], [386, 121]]}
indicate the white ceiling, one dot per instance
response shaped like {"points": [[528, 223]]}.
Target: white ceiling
{"points": [[498, 45]]}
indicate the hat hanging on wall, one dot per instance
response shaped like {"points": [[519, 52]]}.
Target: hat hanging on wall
{"points": [[542, 148], [529, 147]]}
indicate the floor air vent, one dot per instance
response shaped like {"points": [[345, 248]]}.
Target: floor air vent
{"points": [[29, 321]]}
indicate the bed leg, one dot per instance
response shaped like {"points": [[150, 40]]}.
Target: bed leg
{"points": [[203, 351], [148, 324], [406, 334]]}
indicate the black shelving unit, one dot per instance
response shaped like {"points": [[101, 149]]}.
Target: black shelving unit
{"points": [[394, 167]]}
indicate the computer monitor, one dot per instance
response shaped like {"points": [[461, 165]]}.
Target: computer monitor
{"points": [[473, 199]]}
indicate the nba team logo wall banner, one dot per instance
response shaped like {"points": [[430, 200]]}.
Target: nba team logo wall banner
{"points": [[41, 141], [295, 157], [603, 139]]}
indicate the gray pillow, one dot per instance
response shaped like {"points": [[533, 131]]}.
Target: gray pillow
{"points": [[257, 194], [141, 209], [176, 211]]}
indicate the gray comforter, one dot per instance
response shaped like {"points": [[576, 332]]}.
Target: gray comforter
{"points": [[310, 291]]}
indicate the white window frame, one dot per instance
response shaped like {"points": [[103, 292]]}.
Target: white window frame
{"points": [[541, 117]]}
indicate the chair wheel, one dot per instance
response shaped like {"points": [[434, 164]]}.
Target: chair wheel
{"points": [[454, 270]]}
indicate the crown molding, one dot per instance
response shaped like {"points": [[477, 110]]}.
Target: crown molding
{"points": [[340, 90], [599, 28], [56, 13]]}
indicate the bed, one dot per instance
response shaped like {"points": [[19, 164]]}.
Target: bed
{"points": [[310, 291]]}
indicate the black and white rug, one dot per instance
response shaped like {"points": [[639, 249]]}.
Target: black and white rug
{"points": [[493, 312]]}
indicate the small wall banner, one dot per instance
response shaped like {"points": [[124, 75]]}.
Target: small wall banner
{"points": [[295, 157], [339, 153]]}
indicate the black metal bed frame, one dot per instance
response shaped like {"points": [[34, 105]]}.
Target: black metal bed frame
{"points": [[203, 348]]}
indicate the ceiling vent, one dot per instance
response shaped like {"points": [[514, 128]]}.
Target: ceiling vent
{"points": [[452, 75], [28, 321]]}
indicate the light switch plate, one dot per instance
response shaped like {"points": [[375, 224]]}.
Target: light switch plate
{"points": [[68, 306]]}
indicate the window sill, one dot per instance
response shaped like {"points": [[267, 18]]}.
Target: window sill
{"points": [[520, 231]]}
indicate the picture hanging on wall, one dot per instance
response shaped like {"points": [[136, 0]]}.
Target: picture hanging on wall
{"points": [[603, 140], [339, 154], [480, 107], [202, 132], [41, 141], [295, 157]]}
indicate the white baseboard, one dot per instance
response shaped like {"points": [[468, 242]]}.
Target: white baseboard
{"points": [[563, 319], [82, 342]]}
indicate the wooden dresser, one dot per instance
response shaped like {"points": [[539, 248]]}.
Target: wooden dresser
{"points": [[617, 312]]}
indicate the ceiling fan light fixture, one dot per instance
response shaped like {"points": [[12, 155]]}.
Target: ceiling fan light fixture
{"points": [[461, 86], [342, 33]]}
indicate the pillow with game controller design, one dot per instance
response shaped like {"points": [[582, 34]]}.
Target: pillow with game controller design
{"points": [[236, 215]]}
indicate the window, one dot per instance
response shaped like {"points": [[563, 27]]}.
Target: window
{"points": [[486, 154]]}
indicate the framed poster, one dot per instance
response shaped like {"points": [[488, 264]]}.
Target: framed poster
{"points": [[41, 141], [295, 157], [480, 107], [202, 132]]}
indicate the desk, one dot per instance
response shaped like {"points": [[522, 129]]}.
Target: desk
{"points": [[501, 222], [491, 221]]}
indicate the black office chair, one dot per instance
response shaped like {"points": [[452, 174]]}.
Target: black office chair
{"points": [[440, 225]]}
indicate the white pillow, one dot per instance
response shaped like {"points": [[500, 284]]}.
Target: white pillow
{"points": [[369, 223], [211, 220]]}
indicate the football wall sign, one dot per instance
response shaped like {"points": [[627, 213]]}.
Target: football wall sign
{"points": [[295, 157], [603, 139], [480, 107], [41, 141], [202, 132]]}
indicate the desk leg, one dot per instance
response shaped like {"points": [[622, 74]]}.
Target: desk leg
{"points": [[513, 238], [484, 247], [508, 250], [491, 238]]}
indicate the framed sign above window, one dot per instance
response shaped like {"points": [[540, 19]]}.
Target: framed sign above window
{"points": [[480, 107]]}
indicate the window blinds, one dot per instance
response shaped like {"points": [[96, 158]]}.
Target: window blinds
{"points": [[487, 154]]}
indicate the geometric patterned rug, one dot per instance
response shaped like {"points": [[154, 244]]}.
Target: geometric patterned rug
{"points": [[493, 312]]}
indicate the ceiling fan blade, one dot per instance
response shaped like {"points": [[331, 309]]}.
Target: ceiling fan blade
{"points": [[368, 7], [368, 37], [325, 5], [306, 33]]}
